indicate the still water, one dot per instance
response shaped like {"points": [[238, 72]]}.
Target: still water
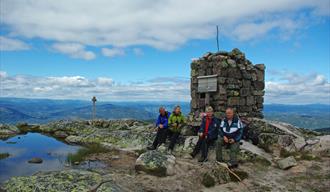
{"points": [[24, 147]]}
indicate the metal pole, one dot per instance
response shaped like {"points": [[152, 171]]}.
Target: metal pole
{"points": [[94, 108], [218, 38]]}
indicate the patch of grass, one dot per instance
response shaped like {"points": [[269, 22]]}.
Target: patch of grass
{"points": [[299, 156], [4, 155], [208, 180], [263, 162], [266, 147], [308, 157], [242, 174], [82, 153], [316, 167], [284, 153]]}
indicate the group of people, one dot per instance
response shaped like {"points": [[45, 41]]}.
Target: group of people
{"points": [[224, 133]]}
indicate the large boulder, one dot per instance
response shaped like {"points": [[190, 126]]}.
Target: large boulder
{"points": [[270, 134], [68, 180], [319, 145], [213, 173], [74, 139], [287, 163], [155, 163], [189, 144]]}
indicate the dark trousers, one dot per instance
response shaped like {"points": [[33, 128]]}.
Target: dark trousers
{"points": [[203, 144], [160, 137], [233, 150], [173, 139]]}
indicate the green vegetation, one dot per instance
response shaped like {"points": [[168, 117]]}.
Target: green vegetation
{"points": [[208, 180], [241, 174], [4, 155], [299, 155], [82, 153]]}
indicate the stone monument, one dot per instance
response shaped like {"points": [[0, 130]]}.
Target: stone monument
{"points": [[227, 79]]}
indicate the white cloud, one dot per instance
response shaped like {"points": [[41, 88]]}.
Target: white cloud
{"points": [[138, 51], [248, 31], [74, 50], [104, 81], [289, 88], [78, 87], [163, 24], [3, 74], [77, 81], [293, 88], [113, 52], [8, 44]]}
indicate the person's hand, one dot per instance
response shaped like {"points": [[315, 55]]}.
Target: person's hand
{"points": [[161, 126], [231, 141], [174, 124], [200, 134], [225, 139]]}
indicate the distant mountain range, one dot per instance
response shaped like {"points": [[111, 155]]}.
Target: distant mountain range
{"points": [[13, 110], [314, 116]]}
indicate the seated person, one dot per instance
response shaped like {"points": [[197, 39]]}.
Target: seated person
{"points": [[208, 134], [176, 122], [162, 128], [231, 131]]}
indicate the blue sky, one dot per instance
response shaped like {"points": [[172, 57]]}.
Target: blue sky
{"points": [[142, 51]]}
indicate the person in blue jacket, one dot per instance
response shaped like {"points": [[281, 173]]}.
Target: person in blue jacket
{"points": [[231, 132], [208, 134], [162, 128]]}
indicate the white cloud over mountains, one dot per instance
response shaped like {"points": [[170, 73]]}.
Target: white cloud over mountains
{"points": [[9, 44], [74, 50], [78, 87], [165, 24], [113, 52], [298, 89], [290, 88]]}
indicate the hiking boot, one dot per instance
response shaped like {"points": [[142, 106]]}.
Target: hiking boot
{"points": [[202, 159], [220, 160], [170, 151], [151, 147], [232, 165]]}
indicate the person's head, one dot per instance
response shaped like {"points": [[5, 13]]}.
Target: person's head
{"points": [[177, 109], [230, 112], [209, 111], [162, 111]]}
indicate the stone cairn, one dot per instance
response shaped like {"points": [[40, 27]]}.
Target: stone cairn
{"points": [[240, 84]]}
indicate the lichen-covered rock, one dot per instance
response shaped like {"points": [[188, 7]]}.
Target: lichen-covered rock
{"points": [[7, 131], [269, 135], [64, 181], [60, 134], [214, 173], [189, 144], [287, 163], [35, 160], [155, 163], [320, 146], [74, 139]]}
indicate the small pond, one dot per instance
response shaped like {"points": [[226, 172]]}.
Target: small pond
{"points": [[22, 148]]}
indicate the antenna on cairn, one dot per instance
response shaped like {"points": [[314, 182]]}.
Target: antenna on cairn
{"points": [[218, 38], [94, 108]]}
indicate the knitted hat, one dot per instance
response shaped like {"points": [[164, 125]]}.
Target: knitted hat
{"points": [[209, 109]]}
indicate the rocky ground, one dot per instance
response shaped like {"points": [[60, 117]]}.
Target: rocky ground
{"points": [[274, 157]]}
